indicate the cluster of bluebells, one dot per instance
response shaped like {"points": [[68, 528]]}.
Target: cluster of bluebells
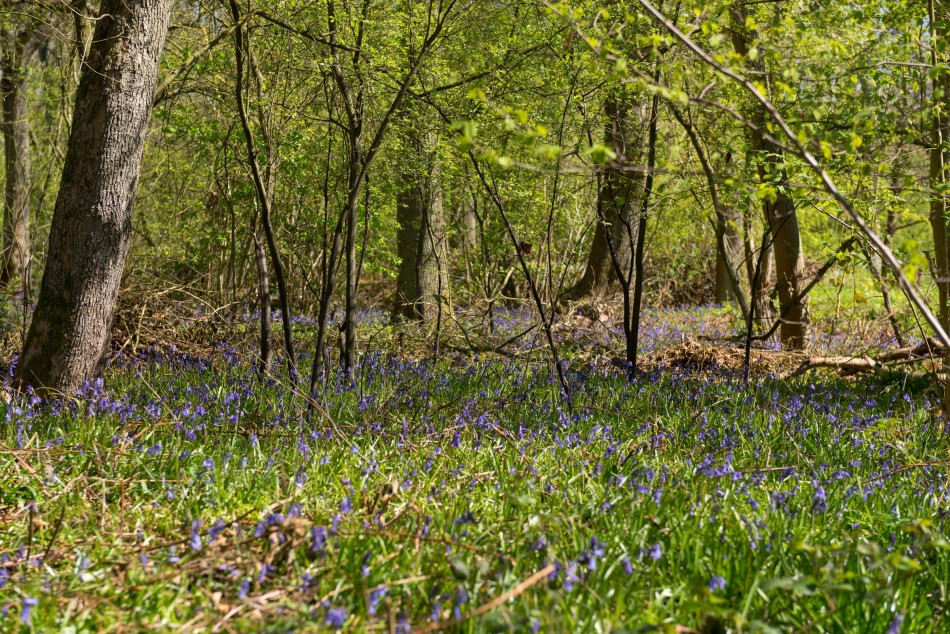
{"points": [[736, 465]]}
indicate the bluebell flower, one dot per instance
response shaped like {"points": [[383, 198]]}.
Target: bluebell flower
{"points": [[26, 610], [318, 535], [717, 583], [336, 617], [195, 541], [627, 566], [216, 529], [374, 598], [570, 577]]}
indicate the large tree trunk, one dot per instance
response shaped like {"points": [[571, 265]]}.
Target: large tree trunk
{"points": [[939, 177], [422, 282], [15, 261], [91, 226], [779, 210], [619, 194]]}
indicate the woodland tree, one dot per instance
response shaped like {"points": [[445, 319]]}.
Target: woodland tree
{"points": [[91, 228]]}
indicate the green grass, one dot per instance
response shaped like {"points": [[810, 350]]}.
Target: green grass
{"points": [[450, 486]]}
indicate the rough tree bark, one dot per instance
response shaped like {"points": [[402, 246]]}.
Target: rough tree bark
{"points": [[15, 260], [939, 14], [619, 195], [91, 227], [422, 246], [779, 210]]}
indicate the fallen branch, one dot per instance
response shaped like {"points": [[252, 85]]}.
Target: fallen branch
{"points": [[845, 364], [928, 350]]}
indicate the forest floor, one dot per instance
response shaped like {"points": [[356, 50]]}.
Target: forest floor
{"points": [[183, 495]]}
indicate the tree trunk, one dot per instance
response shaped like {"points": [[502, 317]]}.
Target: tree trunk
{"points": [[789, 264], [728, 250], [940, 28], [780, 213], [469, 223], [759, 265], [263, 294], [264, 190], [728, 241], [618, 195], [15, 261], [91, 226], [82, 27], [348, 328], [422, 281]]}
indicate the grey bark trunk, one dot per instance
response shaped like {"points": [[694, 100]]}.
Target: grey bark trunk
{"points": [[469, 222], [619, 194], [727, 235], [91, 227], [15, 261], [422, 282]]}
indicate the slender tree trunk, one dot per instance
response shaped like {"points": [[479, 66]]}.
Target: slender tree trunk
{"points": [[264, 195], [421, 282], [15, 262], [82, 27], [779, 210], [758, 266], [89, 235], [469, 222], [633, 337], [348, 352], [263, 294], [728, 241], [939, 29], [618, 195]]}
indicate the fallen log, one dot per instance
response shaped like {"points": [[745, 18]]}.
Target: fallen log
{"points": [[930, 349], [849, 364]]}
